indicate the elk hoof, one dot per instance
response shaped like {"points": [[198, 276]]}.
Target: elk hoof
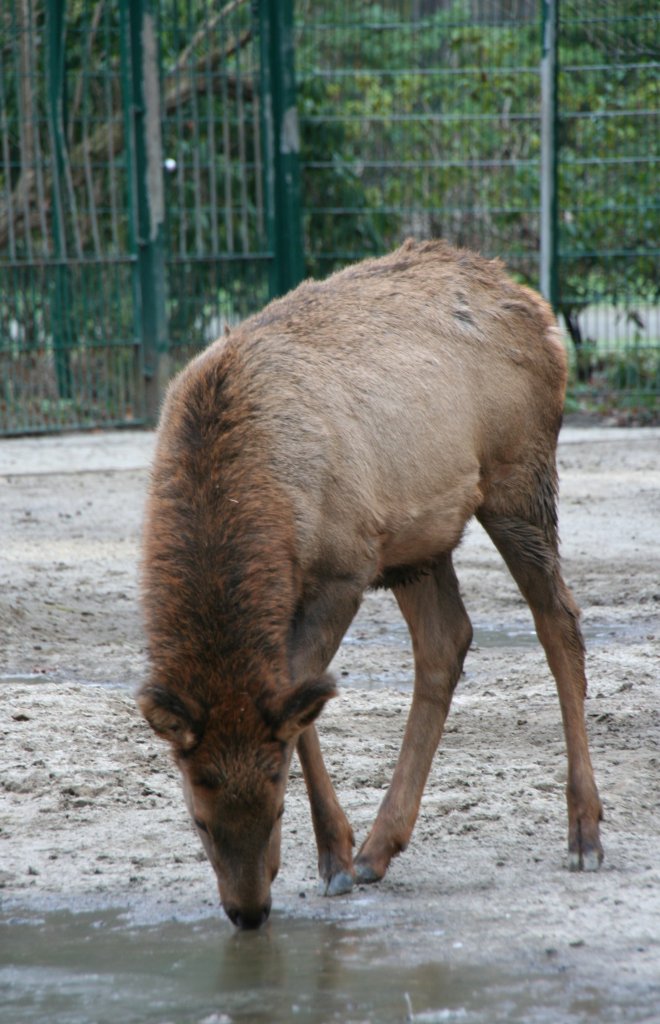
{"points": [[365, 874], [337, 885], [591, 860]]}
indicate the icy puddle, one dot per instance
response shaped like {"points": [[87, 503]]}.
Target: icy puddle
{"points": [[97, 968], [366, 652], [487, 635]]}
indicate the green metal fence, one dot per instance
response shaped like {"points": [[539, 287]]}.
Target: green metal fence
{"points": [[138, 216], [420, 119], [67, 331], [217, 249], [429, 118], [150, 194], [609, 196]]}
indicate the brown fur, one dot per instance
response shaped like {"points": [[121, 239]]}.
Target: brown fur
{"points": [[340, 439]]}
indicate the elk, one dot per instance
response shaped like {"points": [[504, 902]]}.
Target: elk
{"points": [[338, 440]]}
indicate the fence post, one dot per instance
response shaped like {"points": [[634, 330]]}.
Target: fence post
{"points": [[281, 144], [147, 201], [61, 315], [548, 227]]}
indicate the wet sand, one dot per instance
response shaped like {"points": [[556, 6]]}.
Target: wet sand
{"points": [[91, 816]]}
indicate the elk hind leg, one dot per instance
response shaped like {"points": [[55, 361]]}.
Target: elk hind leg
{"points": [[528, 545]]}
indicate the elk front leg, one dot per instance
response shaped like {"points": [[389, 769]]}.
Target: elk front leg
{"points": [[315, 636], [334, 835], [441, 634]]}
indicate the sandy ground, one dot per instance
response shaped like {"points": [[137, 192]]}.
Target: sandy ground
{"points": [[90, 809]]}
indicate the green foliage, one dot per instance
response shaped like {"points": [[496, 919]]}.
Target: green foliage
{"points": [[609, 205], [431, 126], [417, 116]]}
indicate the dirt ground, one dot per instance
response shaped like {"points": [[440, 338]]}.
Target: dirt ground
{"points": [[90, 809]]}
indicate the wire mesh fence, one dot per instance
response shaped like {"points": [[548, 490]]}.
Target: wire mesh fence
{"points": [[417, 117], [609, 201], [76, 319], [68, 350], [421, 119], [216, 239]]}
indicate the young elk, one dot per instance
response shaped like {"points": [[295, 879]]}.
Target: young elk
{"points": [[341, 439]]}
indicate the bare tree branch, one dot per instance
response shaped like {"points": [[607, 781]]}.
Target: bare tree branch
{"points": [[182, 83]]}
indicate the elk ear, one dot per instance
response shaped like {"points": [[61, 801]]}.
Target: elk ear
{"points": [[174, 718], [302, 706]]}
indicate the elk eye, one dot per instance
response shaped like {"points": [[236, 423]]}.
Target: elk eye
{"points": [[200, 825]]}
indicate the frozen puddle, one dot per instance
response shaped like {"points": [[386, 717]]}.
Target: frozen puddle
{"points": [[365, 650], [98, 968]]}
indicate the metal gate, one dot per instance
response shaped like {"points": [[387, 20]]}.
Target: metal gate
{"points": [[149, 189], [143, 200], [69, 353]]}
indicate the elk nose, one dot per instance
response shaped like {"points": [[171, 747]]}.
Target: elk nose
{"points": [[248, 919]]}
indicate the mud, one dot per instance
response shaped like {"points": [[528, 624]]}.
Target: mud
{"points": [[92, 823]]}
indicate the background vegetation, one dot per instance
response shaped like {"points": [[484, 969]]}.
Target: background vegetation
{"points": [[417, 117], [427, 119]]}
